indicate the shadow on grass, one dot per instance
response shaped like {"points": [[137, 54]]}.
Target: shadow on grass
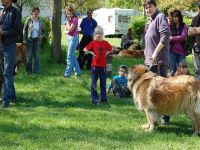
{"points": [[178, 128], [75, 134]]}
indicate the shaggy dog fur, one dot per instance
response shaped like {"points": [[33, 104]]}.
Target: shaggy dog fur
{"points": [[156, 95], [21, 54], [132, 53]]}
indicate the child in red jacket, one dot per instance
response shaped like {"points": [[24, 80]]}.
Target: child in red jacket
{"points": [[99, 48]]}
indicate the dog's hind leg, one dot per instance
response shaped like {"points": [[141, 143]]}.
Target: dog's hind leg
{"points": [[195, 118], [154, 119]]}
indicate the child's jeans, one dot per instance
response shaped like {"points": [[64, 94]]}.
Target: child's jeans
{"points": [[98, 72], [120, 90]]}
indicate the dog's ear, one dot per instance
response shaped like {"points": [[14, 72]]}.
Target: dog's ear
{"points": [[138, 69]]}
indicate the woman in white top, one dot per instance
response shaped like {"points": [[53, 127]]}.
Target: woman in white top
{"points": [[32, 35]]}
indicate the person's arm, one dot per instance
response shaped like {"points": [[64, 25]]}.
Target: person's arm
{"points": [[89, 48], [16, 16], [163, 29], [89, 52], [71, 26], [108, 49], [156, 51], [193, 31], [181, 37]]}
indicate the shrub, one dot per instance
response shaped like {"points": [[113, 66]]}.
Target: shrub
{"points": [[138, 25]]}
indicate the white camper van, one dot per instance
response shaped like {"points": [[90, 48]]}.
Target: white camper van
{"points": [[114, 20]]}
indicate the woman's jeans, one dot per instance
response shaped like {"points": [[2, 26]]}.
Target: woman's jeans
{"points": [[33, 53], [9, 55], [72, 62], [174, 61]]}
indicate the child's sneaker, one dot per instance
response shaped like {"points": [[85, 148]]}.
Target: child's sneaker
{"points": [[96, 102]]}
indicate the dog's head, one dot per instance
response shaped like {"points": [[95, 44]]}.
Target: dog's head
{"points": [[135, 72]]}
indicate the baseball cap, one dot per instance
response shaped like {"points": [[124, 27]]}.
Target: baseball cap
{"points": [[123, 66]]}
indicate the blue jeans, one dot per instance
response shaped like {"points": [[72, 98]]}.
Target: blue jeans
{"points": [[174, 61], [72, 62], [33, 53], [9, 54], [98, 72]]}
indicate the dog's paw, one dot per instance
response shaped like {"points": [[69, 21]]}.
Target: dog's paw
{"points": [[145, 126]]}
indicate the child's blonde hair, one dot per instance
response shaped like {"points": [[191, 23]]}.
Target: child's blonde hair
{"points": [[98, 29]]}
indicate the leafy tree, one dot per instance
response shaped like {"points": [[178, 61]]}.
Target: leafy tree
{"points": [[169, 5], [132, 4], [28, 3]]}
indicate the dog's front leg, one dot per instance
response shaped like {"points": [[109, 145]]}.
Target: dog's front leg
{"points": [[147, 125], [152, 118]]}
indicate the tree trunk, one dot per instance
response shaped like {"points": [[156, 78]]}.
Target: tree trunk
{"points": [[56, 29]]}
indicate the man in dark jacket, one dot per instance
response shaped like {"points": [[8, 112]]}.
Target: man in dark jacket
{"points": [[87, 25], [194, 31], [10, 27]]}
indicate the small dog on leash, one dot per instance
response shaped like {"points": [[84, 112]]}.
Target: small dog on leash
{"points": [[156, 95]]}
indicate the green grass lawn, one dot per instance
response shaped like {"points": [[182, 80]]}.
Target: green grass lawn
{"points": [[52, 112]]}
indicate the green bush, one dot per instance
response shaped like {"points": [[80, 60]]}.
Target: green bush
{"points": [[138, 25]]}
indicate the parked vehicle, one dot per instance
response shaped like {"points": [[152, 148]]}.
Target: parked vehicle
{"points": [[114, 20]]}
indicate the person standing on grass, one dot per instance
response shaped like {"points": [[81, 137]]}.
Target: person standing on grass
{"points": [[87, 25], [99, 48], [10, 27], [178, 36], [157, 43], [71, 30], [194, 31], [32, 37]]}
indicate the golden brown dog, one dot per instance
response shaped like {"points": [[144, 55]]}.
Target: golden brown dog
{"points": [[131, 53], [156, 95], [21, 53]]}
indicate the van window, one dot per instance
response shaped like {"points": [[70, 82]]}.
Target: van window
{"points": [[123, 18], [110, 19]]}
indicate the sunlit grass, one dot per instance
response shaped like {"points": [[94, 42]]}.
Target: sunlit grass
{"points": [[52, 112]]}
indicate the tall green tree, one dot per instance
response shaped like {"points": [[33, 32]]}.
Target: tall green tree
{"points": [[168, 5], [131, 4], [28, 3]]}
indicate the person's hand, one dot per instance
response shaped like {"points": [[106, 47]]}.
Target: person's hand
{"points": [[153, 57], [66, 32], [170, 38]]}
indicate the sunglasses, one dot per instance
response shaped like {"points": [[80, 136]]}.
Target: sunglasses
{"points": [[98, 33]]}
